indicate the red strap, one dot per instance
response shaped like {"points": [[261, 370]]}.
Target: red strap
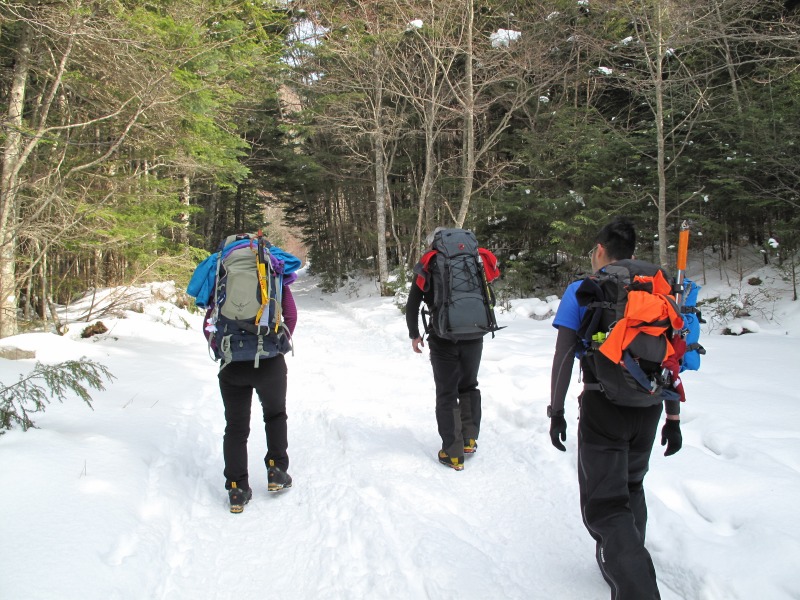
{"points": [[424, 261], [489, 266]]}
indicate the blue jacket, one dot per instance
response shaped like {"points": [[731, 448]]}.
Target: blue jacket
{"points": [[201, 285]]}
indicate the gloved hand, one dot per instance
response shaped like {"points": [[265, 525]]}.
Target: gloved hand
{"points": [[558, 429], [671, 436]]}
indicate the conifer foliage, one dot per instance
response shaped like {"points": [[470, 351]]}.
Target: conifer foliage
{"points": [[134, 137], [33, 392]]}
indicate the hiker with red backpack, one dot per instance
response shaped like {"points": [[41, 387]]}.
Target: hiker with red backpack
{"points": [[624, 325], [453, 279], [250, 319]]}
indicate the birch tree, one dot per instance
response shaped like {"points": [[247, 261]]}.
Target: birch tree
{"points": [[419, 65], [502, 65], [9, 181], [351, 74], [681, 68]]}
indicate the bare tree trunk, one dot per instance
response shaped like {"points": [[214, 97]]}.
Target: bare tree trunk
{"points": [[210, 231], [392, 221], [427, 179], [469, 120], [703, 263], [381, 189], [183, 225], [658, 78], [380, 208], [238, 210], [27, 307], [729, 62], [98, 277], [9, 183], [43, 282]]}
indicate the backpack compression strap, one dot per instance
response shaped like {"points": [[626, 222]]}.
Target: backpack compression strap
{"points": [[211, 321], [262, 278], [267, 273]]}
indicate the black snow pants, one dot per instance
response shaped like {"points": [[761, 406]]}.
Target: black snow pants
{"points": [[614, 445], [458, 399], [237, 381]]}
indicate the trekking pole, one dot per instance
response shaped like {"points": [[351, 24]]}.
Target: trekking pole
{"points": [[278, 279], [489, 296], [683, 253]]}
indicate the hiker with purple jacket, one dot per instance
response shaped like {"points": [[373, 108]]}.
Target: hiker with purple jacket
{"points": [[249, 325]]}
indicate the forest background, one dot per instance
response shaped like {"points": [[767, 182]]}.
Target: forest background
{"points": [[137, 134]]}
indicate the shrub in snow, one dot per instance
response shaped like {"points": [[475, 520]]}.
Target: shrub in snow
{"points": [[741, 327], [723, 311], [95, 329]]}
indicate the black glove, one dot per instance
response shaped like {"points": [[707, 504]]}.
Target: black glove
{"points": [[558, 429], [671, 436]]}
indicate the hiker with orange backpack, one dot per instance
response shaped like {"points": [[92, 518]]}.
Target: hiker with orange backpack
{"points": [[621, 323]]}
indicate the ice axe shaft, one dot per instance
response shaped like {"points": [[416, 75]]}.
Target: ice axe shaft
{"points": [[683, 253]]}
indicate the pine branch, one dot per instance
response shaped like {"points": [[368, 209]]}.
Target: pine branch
{"points": [[32, 393]]}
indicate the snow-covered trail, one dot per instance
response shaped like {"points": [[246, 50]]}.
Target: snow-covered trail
{"points": [[127, 501], [372, 514], [143, 512]]}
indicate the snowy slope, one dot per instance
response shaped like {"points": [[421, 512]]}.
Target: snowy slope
{"points": [[127, 501]]}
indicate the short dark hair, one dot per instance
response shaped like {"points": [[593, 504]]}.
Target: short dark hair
{"points": [[618, 238]]}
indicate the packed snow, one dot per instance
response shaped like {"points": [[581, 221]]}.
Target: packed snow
{"points": [[127, 501]]}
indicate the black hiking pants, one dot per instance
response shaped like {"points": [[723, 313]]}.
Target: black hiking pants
{"points": [[458, 399], [236, 383], [614, 445]]}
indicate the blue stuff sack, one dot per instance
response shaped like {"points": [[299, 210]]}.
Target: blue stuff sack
{"points": [[692, 319]]}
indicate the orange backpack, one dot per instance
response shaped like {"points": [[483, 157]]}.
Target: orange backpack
{"points": [[628, 329]]}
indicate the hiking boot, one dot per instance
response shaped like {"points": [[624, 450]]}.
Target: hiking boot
{"points": [[239, 497], [453, 462], [277, 478], [471, 446]]}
